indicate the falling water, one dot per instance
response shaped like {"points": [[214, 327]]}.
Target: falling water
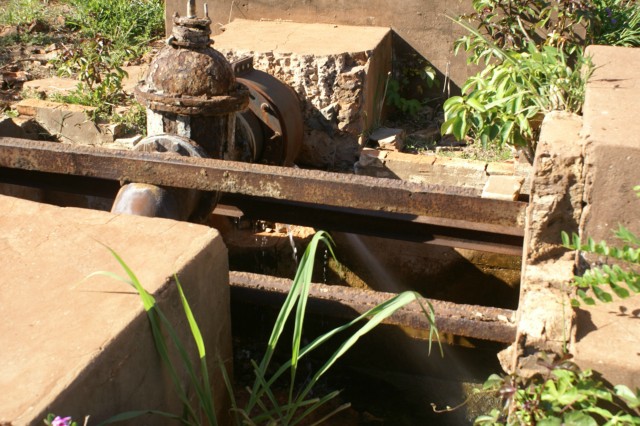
{"points": [[384, 279], [325, 262], [293, 244]]}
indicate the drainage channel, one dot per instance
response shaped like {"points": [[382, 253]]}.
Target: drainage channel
{"points": [[448, 216]]}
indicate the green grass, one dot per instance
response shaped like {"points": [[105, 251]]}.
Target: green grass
{"points": [[129, 24], [22, 12]]}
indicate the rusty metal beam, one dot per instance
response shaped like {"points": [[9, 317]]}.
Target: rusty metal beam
{"points": [[439, 205], [377, 224], [477, 322]]}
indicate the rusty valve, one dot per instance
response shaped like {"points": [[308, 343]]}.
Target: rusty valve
{"points": [[192, 98], [190, 89]]}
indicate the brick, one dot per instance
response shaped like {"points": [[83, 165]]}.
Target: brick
{"points": [[502, 187]]}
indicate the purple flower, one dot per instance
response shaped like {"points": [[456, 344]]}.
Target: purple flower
{"points": [[61, 421]]}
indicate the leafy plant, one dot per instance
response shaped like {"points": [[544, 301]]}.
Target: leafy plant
{"points": [[615, 23], [100, 76], [409, 76], [566, 24], [622, 281], [514, 24], [133, 118], [564, 395], [263, 407], [532, 50], [501, 104]]}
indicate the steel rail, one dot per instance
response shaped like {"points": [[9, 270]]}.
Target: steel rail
{"points": [[452, 212]]}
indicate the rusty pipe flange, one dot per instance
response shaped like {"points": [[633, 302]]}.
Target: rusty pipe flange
{"points": [[170, 144], [158, 201], [236, 100], [277, 106]]}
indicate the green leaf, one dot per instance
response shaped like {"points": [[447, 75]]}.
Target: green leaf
{"points": [[475, 104], [632, 399], [579, 418], [550, 421], [602, 295]]}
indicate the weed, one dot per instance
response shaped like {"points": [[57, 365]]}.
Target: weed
{"points": [[128, 24], [501, 104], [134, 119], [263, 407], [100, 76], [564, 395], [22, 12], [414, 77]]}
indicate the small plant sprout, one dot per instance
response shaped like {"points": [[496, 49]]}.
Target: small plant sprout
{"points": [[622, 278], [53, 420]]}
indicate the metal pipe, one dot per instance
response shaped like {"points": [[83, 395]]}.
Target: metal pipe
{"points": [[471, 321]]}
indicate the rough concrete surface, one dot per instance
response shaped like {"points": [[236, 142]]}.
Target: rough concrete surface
{"points": [[612, 134], [423, 24], [77, 346], [545, 320], [68, 122], [608, 337], [339, 73], [439, 170]]}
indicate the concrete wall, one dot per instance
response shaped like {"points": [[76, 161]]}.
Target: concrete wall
{"points": [[422, 24], [74, 346]]}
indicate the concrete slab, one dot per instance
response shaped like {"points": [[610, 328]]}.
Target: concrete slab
{"points": [[83, 347], [299, 38], [608, 340], [501, 187], [608, 336], [68, 122]]}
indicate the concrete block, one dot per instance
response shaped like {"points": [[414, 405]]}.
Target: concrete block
{"points": [[607, 335], [611, 130], [9, 129], [503, 168], [453, 171], [77, 346], [428, 169], [339, 73], [502, 187], [70, 123], [388, 139]]}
